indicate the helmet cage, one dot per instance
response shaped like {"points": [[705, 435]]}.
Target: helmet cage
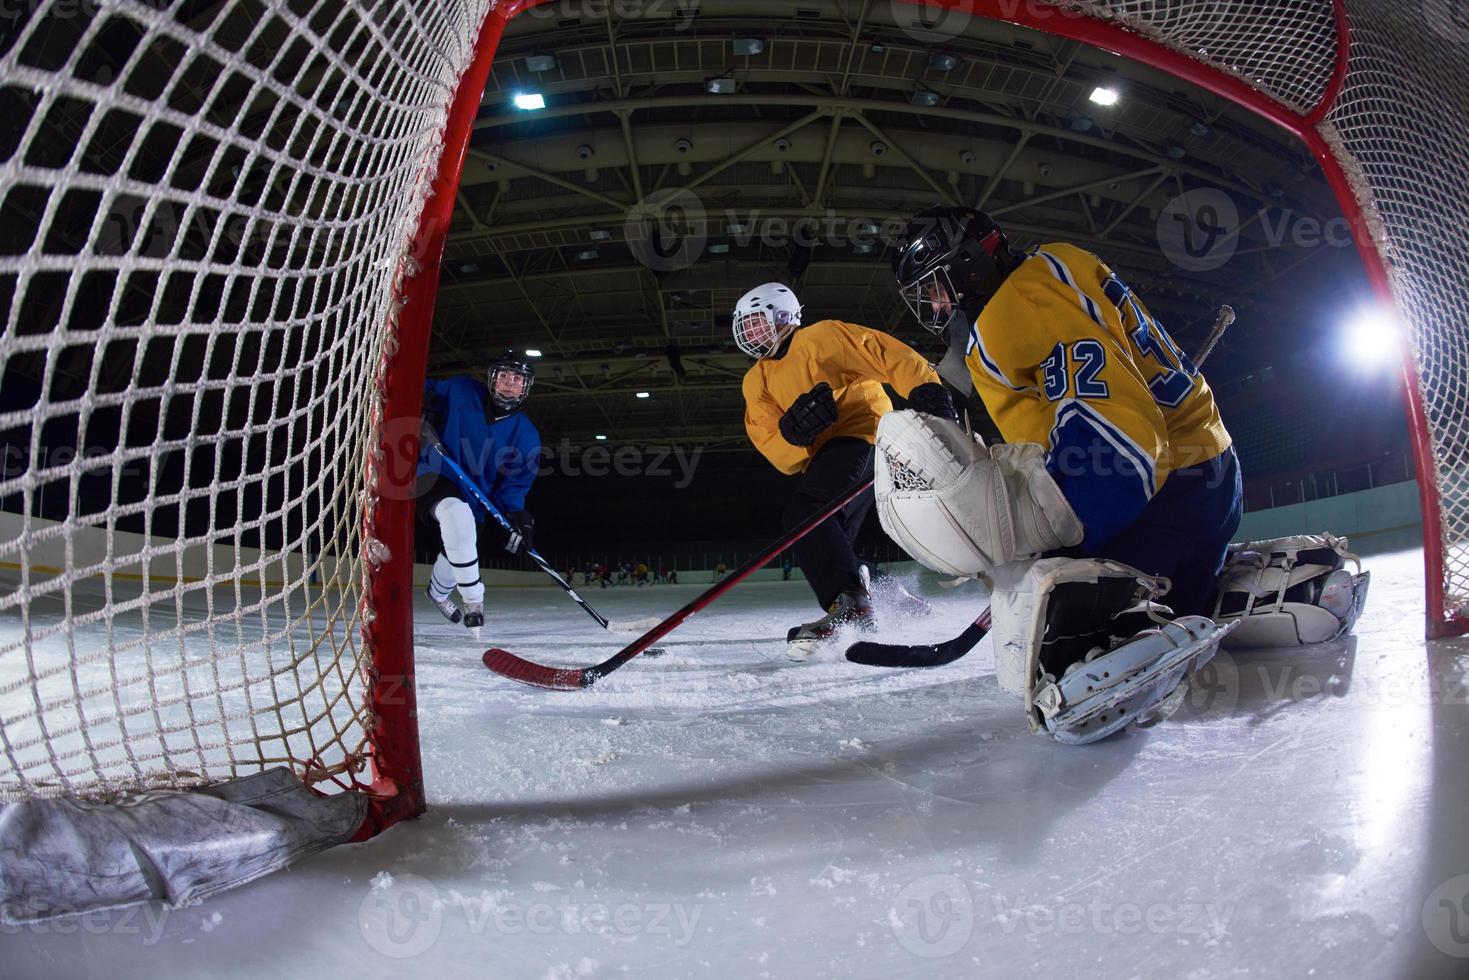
{"points": [[777, 326], [932, 298], [507, 403]]}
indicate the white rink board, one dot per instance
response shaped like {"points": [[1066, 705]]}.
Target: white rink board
{"points": [[720, 812]]}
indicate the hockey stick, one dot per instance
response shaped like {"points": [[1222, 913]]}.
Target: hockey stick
{"points": [[1226, 318], [920, 654], [507, 664], [535, 556]]}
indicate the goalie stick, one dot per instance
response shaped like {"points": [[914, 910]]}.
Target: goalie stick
{"points": [[1226, 318], [920, 654], [535, 556], [507, 664]]}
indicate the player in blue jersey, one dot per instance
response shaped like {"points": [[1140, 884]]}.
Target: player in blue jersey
{"points": [[481, 427]]}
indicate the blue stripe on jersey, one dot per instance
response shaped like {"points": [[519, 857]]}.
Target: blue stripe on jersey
{"points": [[989, 363], [1104, 475], [1058, 268]]}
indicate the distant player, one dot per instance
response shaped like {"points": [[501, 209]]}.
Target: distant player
{"points": [[1114, 450], [813, 399], [482, 428]]}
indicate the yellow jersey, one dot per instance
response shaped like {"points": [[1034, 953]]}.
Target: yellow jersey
{"points": [[1067, 356], [854, 360]]}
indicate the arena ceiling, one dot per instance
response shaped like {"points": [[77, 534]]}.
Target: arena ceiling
{"points": [[832, 122]]}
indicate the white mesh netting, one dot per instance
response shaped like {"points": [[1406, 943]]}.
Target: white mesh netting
{"points": [[1396, 126], [205, 210]]}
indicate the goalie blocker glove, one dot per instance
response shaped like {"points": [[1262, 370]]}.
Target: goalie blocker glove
{"points": [[811, 415]]}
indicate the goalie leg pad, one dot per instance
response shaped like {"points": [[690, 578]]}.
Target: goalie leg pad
{"points": [[960, 508], [1291, 591], [1082, 643]]}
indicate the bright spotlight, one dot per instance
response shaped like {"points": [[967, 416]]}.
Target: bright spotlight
{"points": [[1102, 95], [1372, 340], [529, 101], [532, 352], [644, 394]]}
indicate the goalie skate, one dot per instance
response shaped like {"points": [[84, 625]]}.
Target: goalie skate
{"points": [[1081, 641], [1142, 681]]}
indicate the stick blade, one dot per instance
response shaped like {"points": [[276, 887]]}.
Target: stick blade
{"points": [[871, 654], [507, 664]]}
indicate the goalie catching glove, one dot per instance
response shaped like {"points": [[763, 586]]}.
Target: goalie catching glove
{"points": [[960, 507]]}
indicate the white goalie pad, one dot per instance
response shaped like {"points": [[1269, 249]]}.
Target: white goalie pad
{"points": [[1081, 641], [962, 508], [1292, 591]]}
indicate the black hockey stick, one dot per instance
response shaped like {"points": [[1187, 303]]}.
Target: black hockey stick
{"points": [[465, 482], [507, 664], [920, 654]]}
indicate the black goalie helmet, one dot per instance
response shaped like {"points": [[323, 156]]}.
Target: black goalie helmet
{"points": [[510, 378], [951, 260]]}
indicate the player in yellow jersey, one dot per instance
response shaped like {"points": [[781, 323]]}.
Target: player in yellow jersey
{"points": [[1115, 453], [813, 399]]}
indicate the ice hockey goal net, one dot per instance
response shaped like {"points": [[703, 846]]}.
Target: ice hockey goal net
{"points": [[217, 241], [218, 250]]}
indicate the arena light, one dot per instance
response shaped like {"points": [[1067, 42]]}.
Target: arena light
{"points": [[644, 394], [599, 437], [532, 352], [1103, 95], [529, 101], [1372, 339]]}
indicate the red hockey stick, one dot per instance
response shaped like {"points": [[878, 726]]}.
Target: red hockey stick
{"points": [[507, 664]]}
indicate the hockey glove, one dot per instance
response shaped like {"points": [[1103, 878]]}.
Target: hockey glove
{"points": [[933, 399], [524, 537], [811, 415]]}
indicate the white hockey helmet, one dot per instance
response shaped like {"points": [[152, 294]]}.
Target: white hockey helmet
{"points": [[764, 317]]}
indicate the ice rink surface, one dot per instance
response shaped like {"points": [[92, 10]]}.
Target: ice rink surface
{"points": [[720, 812]]}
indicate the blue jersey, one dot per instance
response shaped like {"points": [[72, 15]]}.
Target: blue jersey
{"points": [[500, 454]]}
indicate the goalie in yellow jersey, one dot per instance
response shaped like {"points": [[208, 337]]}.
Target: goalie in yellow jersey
{"points": [[1116, 484], [813, 399]]}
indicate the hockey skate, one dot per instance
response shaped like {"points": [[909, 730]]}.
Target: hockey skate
{"points": [[1082, 642], [851, 608], [444, 605], [474, 617]]}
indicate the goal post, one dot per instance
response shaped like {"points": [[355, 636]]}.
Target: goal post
{"points": [[1373, 90]]}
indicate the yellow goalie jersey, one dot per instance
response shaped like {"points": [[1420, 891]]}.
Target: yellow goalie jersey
{"points": [[1066, 356]]}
